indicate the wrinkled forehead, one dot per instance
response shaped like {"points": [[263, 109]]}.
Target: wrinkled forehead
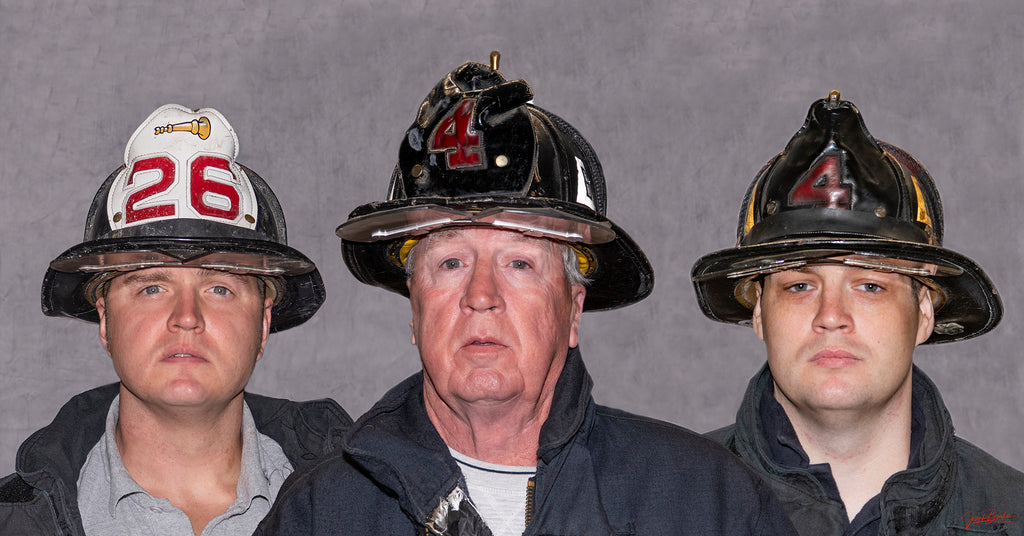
{"points": [[485, 237]]}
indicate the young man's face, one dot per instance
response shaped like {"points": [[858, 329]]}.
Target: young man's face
{"points": [[840, 337], [184, 337]]}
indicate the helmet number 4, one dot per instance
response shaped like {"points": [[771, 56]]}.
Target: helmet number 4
{"points": [[207, 197], [456, 137], [822, 186]]}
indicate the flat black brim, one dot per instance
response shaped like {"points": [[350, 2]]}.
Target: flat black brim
{"points": [[622, 275], [972, 303], [63, 290]]}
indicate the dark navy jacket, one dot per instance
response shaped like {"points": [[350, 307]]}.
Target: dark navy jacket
{"points": [[956, 488], [600, 472], [41, 498]]}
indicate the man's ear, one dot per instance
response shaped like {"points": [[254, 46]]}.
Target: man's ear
{"points": [[412, 323], [268, 307], [756, 321], [101, 308], [926, 310], [579, 294]]}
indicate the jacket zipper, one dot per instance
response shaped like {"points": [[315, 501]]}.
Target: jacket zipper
{"points": [[530, 487]]}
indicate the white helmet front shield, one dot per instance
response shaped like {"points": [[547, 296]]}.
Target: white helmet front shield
{"points": [[180, 164]]}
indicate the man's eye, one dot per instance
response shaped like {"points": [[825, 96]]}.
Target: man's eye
{"points": [[451, 264], [799, 287], [223, 291], [519, 264], [151, 289], [871, 287]]}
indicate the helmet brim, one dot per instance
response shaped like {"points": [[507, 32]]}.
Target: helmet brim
{"points": [[972, 306], [63, 291], [622, 275]]}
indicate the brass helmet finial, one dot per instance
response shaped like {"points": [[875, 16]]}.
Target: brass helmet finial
{"points": [[495, 59]]}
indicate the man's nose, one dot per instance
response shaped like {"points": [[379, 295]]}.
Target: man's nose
{"points": [[483, 291], [833, 310], [187, 313]]}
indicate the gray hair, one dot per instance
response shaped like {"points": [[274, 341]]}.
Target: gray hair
{"points": [[570, 262]]}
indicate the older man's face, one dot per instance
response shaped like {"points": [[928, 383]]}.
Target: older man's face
{"points": [[492, 315]]}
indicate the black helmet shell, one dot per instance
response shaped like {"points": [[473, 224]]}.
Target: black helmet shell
{"points": [[180, 199], [480, 154], [835, 191]]}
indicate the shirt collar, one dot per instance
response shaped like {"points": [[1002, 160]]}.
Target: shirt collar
{"points": [[121, 483], [253, 482]]}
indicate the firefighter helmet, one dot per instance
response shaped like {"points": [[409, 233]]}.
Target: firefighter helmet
{"points": [[180, 199], [835, 191], [480, 154]]}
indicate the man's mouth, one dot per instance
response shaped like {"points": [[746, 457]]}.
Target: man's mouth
{"points": [[483, 342], [833, 358], [184, 357]]}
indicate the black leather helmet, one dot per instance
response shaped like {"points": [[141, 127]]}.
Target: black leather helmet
{"points": [[180, 199], [479, 154], [835, 191]]}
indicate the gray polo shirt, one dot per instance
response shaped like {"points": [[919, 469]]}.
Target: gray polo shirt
{"points": [[112, 503]]}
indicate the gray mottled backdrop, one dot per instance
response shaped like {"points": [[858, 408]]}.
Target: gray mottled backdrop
{"points": [[684, 100]]}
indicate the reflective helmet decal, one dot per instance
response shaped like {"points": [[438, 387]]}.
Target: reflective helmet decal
{"points": [[583, 195], [454, 135], [180, 164], [823, 185], [922, 206], [749, 222]]}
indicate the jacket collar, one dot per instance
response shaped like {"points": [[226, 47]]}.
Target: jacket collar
{"points": [[914, 497], [568, 407], [398, 447], [911, 497], [52, 457]]}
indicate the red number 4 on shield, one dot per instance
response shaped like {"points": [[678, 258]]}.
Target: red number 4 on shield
{"points": [[822, 186], [456, 136]]}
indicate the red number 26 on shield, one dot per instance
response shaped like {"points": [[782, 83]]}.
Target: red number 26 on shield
{"points": [[198, 187]]}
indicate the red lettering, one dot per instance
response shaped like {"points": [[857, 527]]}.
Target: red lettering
{"points": [[200, 185], [166, 167], [456, 136], [822, 186]]}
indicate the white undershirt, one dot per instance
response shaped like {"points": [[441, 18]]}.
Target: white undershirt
{"points": [[498, 492]]}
